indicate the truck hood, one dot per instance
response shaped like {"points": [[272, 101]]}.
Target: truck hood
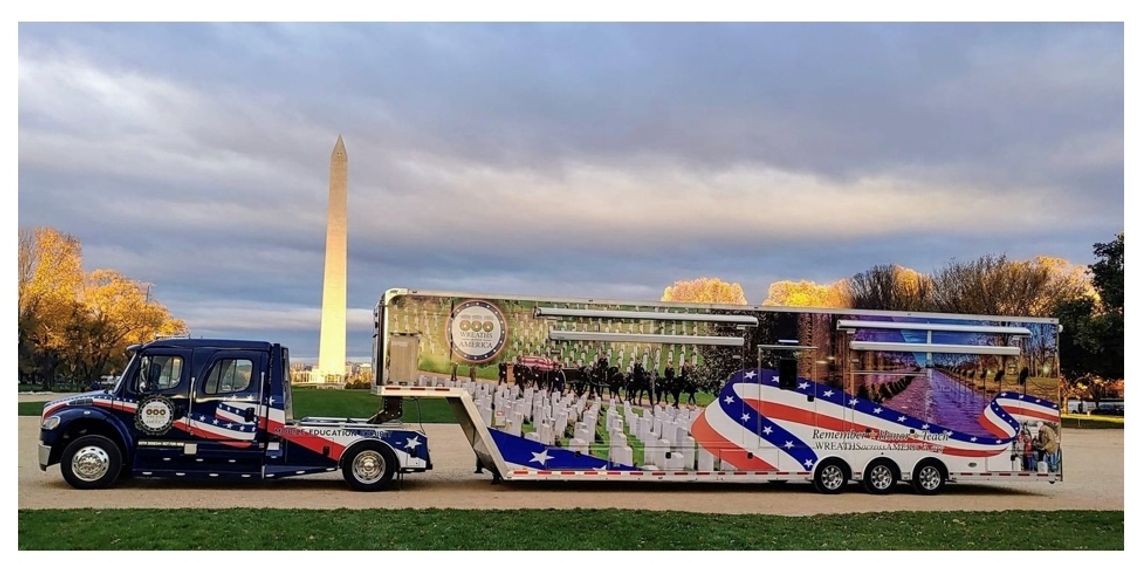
{"points": [[73, 400]]}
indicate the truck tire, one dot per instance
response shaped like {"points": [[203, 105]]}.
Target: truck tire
{"points": [[369, 468], [831, 476], [91, 462], [929, 477], [880, 476]]}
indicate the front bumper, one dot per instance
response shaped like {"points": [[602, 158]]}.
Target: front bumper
{"points": [[45, 455]]}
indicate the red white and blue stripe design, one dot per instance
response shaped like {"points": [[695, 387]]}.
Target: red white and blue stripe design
{"points": [[756, 429]]}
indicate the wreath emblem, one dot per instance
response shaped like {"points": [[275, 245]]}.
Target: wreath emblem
{"points": [[155, 415]]}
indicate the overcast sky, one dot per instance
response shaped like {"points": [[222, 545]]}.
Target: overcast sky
{"points": [[572, 160]]}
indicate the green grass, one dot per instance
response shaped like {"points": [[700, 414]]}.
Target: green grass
{"points": [[1083, 421], [610, 529]]}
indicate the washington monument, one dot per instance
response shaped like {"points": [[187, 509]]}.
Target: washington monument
{"points": [[330, 366]]}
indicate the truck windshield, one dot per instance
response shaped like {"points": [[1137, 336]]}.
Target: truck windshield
{"points": [[127, 369]]}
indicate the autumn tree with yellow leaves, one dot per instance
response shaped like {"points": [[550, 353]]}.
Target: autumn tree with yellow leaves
{"points": [[809, 294], [705, 290], [75, 323]]}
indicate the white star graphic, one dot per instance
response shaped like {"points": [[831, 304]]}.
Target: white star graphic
{"points": [[803, 385], [1038, 401], [728, 400], [767, 431], [972, 439], [230, 425], [925, 426], [1021, 396], [750, 375], [775, 379], [541, 458], [808, 463], [745, 417], [853, 401], [412, 442], [877, 410], [788, 445], [902, 418], [827, 393]]}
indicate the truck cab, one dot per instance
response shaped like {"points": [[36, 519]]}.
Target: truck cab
{"points": [[216, 409]]}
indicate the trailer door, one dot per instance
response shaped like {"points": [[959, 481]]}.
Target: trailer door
{"points": [[404, 353]]}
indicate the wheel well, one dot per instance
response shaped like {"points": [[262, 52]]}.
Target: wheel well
{"points": [[834, 460], [894, 466], [937, 464], [83, 427], [367, 444]]}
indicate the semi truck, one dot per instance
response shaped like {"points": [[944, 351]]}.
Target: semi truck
{"points": [[216, 409], [735, 393]]}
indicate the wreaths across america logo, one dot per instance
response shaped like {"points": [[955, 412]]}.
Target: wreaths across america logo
{"points": [[477, 331], [155, 415]]}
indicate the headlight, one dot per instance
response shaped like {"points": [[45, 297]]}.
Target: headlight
{"points": [[50, 423]]}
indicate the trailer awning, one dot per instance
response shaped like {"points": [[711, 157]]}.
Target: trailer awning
{"points": [[935, 348], [565, 335], [738, 319], [931, 327]]}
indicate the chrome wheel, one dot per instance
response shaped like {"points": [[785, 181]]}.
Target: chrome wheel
{"points": [[90, 463], [881, 477], [368, 466], [831, 477], [929, 477]]}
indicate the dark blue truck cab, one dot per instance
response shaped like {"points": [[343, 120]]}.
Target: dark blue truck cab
{"points": [[217, 409]]}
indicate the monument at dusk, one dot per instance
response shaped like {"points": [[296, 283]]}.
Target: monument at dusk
{"points": [[331, 363]]}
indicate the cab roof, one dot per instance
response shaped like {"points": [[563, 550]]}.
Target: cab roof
{"points": [[190, 343]]}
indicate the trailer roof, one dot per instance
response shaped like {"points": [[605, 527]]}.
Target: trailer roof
{"points": [[395, 292]]}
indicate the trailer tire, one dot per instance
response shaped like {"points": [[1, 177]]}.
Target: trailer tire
{"points": [[929, 477], [831, 476], [369, 468], [91, 462], [880, 476]]}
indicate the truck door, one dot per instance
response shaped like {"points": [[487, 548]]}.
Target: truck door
{"points": [[154, 404], [226, 412]]}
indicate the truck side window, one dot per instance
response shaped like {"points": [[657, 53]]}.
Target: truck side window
{"points": [[229, 375], [158, 372]]}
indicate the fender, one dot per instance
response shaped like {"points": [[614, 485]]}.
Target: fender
{"points": [[357, 444], [70, 416]]}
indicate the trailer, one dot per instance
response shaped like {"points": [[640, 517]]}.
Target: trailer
{"points": [[735, 393]]}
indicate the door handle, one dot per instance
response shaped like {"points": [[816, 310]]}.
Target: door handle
{"points": [[248, 414]]}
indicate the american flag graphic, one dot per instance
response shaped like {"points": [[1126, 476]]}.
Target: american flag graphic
{"points": [[761, 430]]}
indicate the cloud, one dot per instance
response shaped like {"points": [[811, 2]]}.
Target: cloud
{"points": [[578, 160]]}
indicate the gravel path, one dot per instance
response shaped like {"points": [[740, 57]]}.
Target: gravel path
{"points": [[1094, 479]]}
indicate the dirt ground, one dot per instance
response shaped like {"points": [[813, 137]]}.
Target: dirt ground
{"points": [[1094, 479]]}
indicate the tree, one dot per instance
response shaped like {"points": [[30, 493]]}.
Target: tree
{"points": [[1108, 273], [1092, 341], [997, 285], [890, 287], [50, 280], [73, 323], [804, 293], [116, 312], [705, 290]]}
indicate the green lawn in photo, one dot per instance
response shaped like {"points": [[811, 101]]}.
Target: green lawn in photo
{"points": [[588, 529]]}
